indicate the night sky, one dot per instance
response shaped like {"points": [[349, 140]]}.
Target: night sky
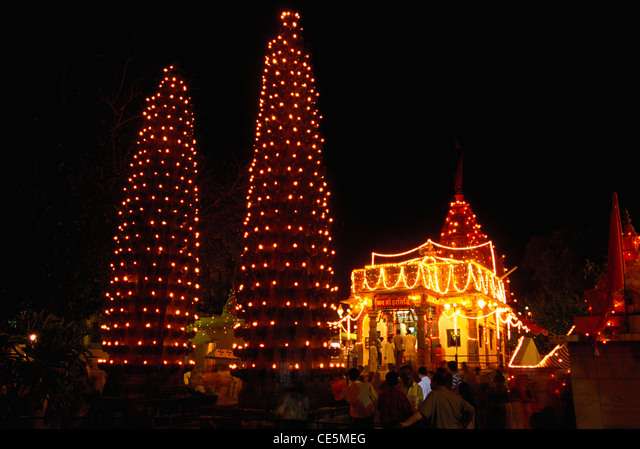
{"points": [[544, 104]]}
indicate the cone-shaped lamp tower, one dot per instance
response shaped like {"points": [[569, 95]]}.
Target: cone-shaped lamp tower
{"points": [[286, 291], [154, 271]]}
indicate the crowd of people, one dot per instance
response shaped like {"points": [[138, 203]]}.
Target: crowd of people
{"points": [[447, 398]]}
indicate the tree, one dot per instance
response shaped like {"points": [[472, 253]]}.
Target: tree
{"points": [[222, 216], [553, 280], [42, 366], [97, 177], [285, 287], [155, 269]]}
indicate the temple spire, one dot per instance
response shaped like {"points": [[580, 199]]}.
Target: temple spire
{"points": [[615, 260], [458, 181]]}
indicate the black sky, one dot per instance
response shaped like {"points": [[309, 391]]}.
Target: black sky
{"points": [[543, 102]]}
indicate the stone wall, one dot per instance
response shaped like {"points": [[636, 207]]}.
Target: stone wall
{"points": [[606, 386]]}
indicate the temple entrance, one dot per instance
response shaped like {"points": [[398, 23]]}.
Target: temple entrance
{"points": [[401, 321], [401, 325]]}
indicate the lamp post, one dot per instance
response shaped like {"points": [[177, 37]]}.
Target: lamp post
{"points": [[340, 313]]}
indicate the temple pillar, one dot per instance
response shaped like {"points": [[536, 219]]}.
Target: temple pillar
{"points": [[472, 343], [486, 347], [424, 353], [437, 351], [374, 363], [503, 345]]}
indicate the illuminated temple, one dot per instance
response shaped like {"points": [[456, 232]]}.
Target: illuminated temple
{"points": [[451, 294]]}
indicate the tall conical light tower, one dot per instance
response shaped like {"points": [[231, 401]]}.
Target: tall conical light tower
{"points": [[154, 271], [286, 290]]}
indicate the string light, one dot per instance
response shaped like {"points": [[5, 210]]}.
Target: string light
{"points": [[542, 363], [439, 275], [287, 257], [630, 241], [154, 283]]}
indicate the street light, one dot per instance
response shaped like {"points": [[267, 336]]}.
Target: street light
{"points": [[348, 335]]}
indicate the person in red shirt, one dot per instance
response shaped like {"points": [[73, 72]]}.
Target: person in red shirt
{"points": [[338, 387]]}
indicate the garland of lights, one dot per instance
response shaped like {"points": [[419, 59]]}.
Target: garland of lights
{"points": [[348, 315], [430, 275], [510, 323], [458, 313], [498, 313], [430, 243], [510, 320]]}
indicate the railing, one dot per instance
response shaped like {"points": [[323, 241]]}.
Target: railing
{"points": [[177, 413], [235, 418], [476, 360]]}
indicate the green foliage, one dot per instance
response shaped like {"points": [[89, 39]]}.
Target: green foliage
{"points": [[216, 328], [48, 372]]}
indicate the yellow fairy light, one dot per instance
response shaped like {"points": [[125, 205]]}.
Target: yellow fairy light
{"points": [[278, 175], [168, 122]]}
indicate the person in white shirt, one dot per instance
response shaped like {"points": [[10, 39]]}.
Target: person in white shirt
{"points": [[425, 381], [388, 353], [410, 354]]}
